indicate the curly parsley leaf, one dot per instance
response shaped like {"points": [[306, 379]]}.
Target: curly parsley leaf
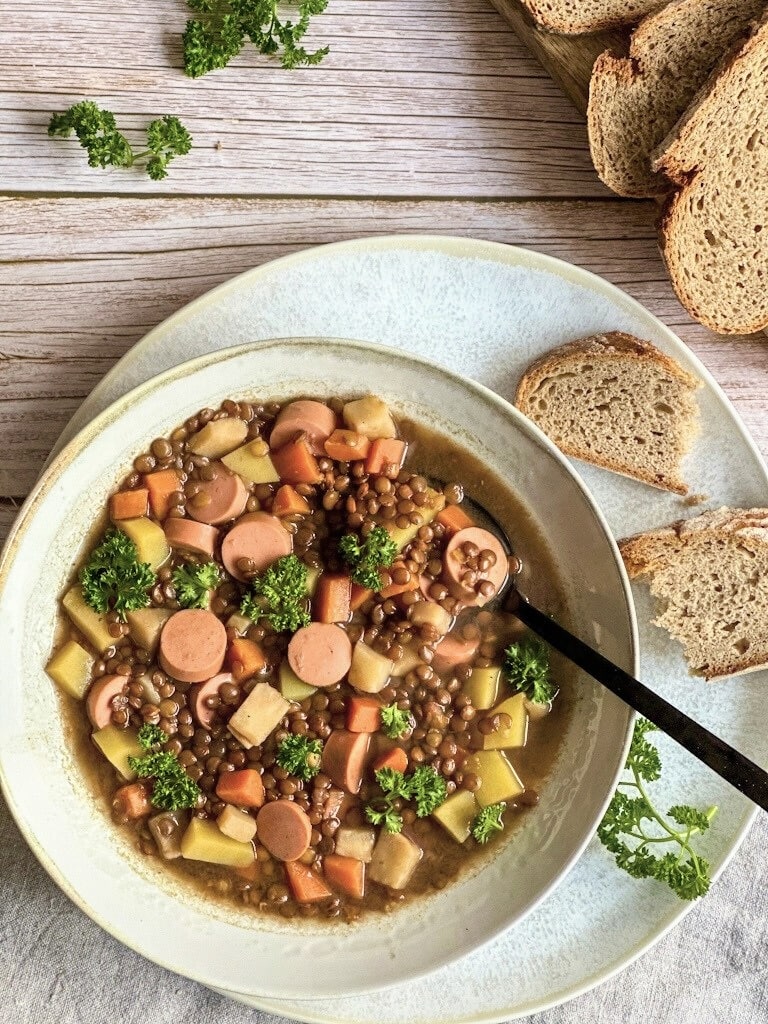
{"points": [[279, 595], [193, 584], [114, 578], [367, 557], [380, 813], [299, 756], [487, 821], [632, 828], [166, 138], [427, 789], [424, 786], [395, 722], [151, 737], [172, 789], [526, 668]]}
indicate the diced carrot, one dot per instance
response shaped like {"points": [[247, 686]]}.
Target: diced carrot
{"points": [[396, 758], [453, 518], [243, 788], [385, 450], [161, 486], [245, 658], [129, 504], [132, 801], [347, 446], [288, 502], [363, 714], [306, 885], [333, 595], [359, 596], [345, 874], [393, 589], [296, 464], [251, 873]]}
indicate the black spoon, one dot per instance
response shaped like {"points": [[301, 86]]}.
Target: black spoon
{"points": [[734, 767]]}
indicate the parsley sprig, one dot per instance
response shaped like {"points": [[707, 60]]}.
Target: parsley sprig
{"points": [[106, 146], [172, 788], [299, 756], [114, 578], [526, 668], [395, 722], [366, 557], [424, 786], [193, 584], [625, 829], [279, 595], [487, 821], [218, 33]]}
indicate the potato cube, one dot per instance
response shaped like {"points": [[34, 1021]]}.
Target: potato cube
{"points": [[394, 860], [370, 671], [356, 842], [117, 745], [204, 841], [240, 623], [253, 467], [291, 687], [93, 625], [237, 824], [219, 437], [369, 416], [517, 732], [258, 715], [149, 538], [402, 536], [457, 813], [498, 779], [483, 687], [70, 668], [146, 624], [409, 661], [428, 613]]}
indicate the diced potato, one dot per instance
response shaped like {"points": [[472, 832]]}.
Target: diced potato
{"points": [[313, 575], [237, 824], [427, 613], [93, 625], [146, 624], [402, 536], [356, 841], [150, 693], [369, 416], [498, 779], [536, 710], [258, 715], [167, 830], [204, 841], [117, 745], [483, 687], [457, 813], [409, 661], [240, 623], [291, 687], [219, 437], [517, 733], [370, 671], [394, 860], [70, 668], [151, 545], [251, 464]]}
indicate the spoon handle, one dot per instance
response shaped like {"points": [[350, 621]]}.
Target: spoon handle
{"points": [[734, 767]]}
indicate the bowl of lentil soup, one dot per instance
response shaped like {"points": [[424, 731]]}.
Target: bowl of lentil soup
{"points": [[286, 742]]}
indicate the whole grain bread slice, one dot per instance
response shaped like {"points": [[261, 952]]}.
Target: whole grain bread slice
{"points": [[634, 101], [710, 575], [714, 228], [576, 17], [617, 401]]}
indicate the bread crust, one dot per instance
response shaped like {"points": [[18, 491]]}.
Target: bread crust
{"points": [[555, 16]]}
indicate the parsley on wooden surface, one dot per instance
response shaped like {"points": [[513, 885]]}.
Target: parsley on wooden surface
{"points": [[279, 595], [193, 584], [395, 722], [114, 579], [299, 756], [526, 668], [632, 828], [106, 146], [365, 558]]}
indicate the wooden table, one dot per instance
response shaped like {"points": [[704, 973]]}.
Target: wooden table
{"points": [[427, 116]]}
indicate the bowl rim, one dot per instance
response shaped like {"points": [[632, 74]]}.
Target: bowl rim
{"points": [[146, 389]]}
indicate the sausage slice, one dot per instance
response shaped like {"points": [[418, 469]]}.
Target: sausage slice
{"points": [[320, 654], [259, 537], [453, 650], [344, 757], [220, 499], [455, 564], [200, 694], [314, 419], [192, 645], [188, 535], [98, 703], [284, 829]]}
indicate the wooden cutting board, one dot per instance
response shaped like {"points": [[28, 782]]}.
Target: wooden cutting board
{"points": [[567, 59]]}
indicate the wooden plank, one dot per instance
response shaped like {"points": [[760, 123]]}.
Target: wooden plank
{"points": [[429, 98], [91, 277]]}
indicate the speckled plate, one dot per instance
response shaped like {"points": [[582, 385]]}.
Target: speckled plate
{"points": [[485, 310]]}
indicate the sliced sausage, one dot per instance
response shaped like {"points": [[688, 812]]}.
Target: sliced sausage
{"points": [[314, 419], [192, 645], [187, 535], [453, 650], [457, 565], [220, 499], [320, 654], [198, 695], [344, 757], [98, 703], [259, 537], [284, 829]]}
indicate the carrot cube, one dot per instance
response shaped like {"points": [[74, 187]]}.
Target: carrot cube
{"points": [[332, 600], [453, 518], [347, 446], [245, 658], [393, 589], [345, 874], [288, 502], [306, 885], [161, 486], [132, 801], [242, 788], [363, 714], [396, 759], [385, 450], [129, 504], [296, 464], [359, 596]]}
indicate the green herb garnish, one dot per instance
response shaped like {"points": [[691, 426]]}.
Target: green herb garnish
{"points": [[395, 722], [193, 584], [173, 789], [526, 668], [428, 790], [114, 579], [424, 786], [376, 552], [97, 132], [487, 821], [299, 756], [151, 737], [218, 34], [279, 595], [682, 869]]}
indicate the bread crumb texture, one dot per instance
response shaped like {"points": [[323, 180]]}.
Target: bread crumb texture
{"points": [[709, 575], [575, 17], [618, 402]]}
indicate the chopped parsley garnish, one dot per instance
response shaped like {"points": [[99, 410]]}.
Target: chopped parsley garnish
{"points": [[299, 756], [487, 821], [279, 595], [151, 737], [193, 584], [526, 668], [428, 789], [172, 789], [366, 558], [424, 786], [114, 579], [394, 722], [625, 833]]}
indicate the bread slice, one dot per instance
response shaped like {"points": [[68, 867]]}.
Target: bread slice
{"points": [[710, 574], [634, 101], [618, 402], [576, 17], [714, 229]]}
